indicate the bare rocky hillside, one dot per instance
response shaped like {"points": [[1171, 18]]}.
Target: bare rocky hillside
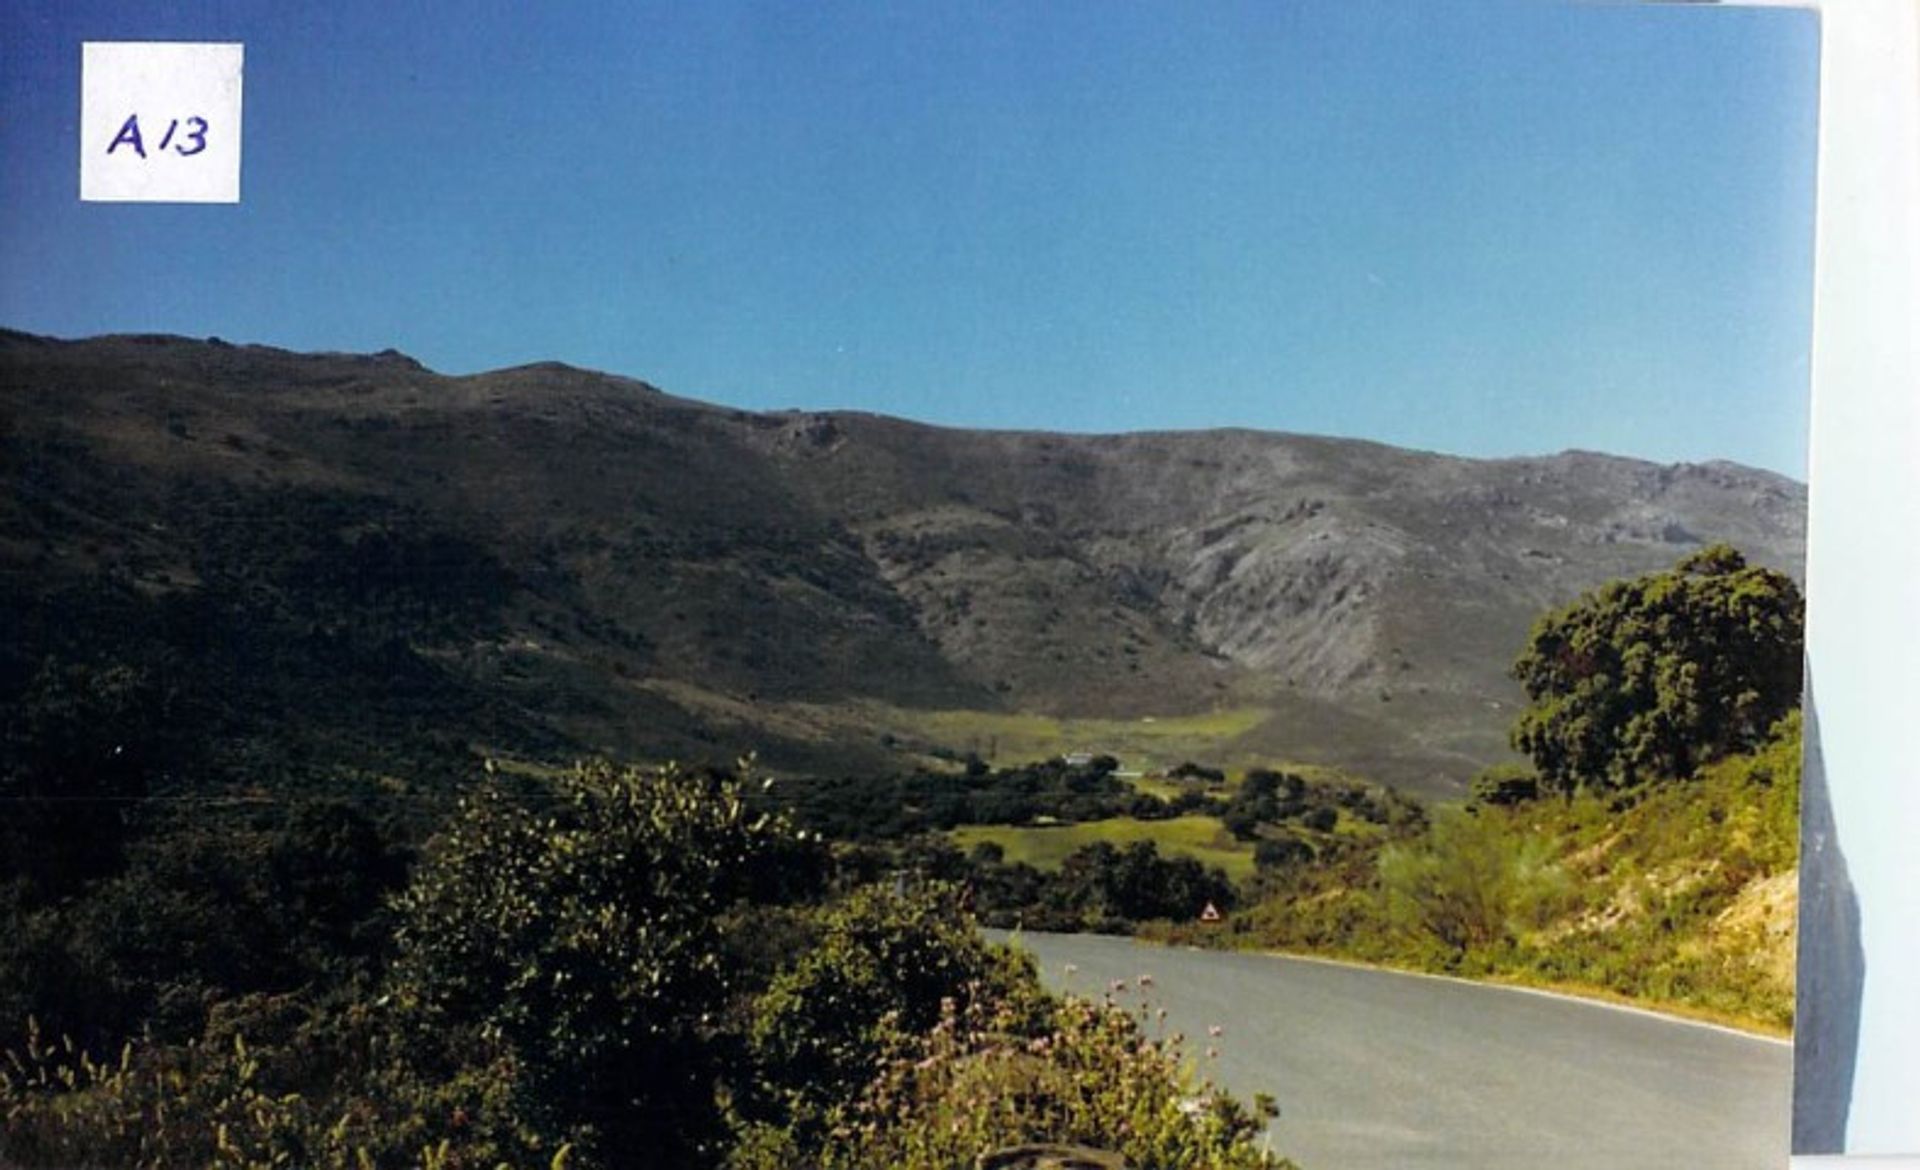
{"points": [[553, 560]]}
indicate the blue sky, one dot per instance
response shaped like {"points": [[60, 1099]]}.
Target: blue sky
{"points": [[1487, 229]]}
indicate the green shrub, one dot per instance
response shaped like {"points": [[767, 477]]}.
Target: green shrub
{"points": [[1505, 785], [1084, 1074], [1274, 853], [873, 982], [155, 1108], [1470, 883], [580, 936]]}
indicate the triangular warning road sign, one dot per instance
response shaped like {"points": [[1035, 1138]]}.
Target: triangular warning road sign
{"points": [[1210, 914]]}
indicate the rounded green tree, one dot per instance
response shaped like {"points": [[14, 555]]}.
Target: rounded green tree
{"points": [[575, 935], [1655, 676]]}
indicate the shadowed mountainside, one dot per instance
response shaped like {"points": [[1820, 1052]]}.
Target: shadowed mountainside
{"points": [[352, 548]]}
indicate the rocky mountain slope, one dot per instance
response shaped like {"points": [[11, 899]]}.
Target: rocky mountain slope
{"points": [[355, 548]]}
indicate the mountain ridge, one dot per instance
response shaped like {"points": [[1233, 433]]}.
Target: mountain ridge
{"points": [[633, 545]]}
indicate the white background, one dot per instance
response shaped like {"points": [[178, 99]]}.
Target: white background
{"points": [[1863, 603]]}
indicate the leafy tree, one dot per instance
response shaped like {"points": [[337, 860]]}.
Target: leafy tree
{"points": [[1281, 851], [1242, 822], [987, 853], [1135, 884], [876, 978], [878, 807], [1655, 676], [579, 938]]}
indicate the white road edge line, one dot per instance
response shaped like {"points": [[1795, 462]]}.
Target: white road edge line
{"points": [[1014, 939], [1543, 992]]}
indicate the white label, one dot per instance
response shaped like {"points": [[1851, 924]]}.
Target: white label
{"points": [[159, 122]]}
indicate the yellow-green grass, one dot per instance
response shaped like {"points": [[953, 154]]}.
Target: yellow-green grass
{"points": [[1140, 744], [1157, 786], [1004, 737], [1046, 846]]}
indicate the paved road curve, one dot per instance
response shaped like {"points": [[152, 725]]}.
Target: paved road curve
{"points": [[1374, 1069]]}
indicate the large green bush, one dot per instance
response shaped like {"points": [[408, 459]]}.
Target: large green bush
{"points": [[579, 935], [1652, 677], [989, 1077], [874, 981], [608, 968]]}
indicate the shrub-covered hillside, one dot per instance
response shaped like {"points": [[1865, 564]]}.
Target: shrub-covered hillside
{"points": [[1683, 898], [1651, 850], [603, 968]]}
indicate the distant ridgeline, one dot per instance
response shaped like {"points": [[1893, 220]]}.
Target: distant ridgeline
{"points": [[351, 565]]}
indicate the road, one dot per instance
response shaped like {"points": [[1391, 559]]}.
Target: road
{"points": [[1374, 1069]]}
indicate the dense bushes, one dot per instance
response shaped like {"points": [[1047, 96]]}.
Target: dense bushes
{"points": [[214, 901], [989, 1076], [1266, 798], [875, 979], [860, 808], [605, 968], [1100, 887], [1663, 713], [577, 939], [1680, 894], [1652, 677], [83, 744], [1471, 882]]}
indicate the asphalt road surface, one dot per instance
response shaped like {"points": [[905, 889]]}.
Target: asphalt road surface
{"points": [[1374, 1069]]}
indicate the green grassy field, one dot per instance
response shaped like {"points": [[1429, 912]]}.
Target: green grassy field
{"points": [[1001, 737], [1154, 786], [1045, 847]]}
